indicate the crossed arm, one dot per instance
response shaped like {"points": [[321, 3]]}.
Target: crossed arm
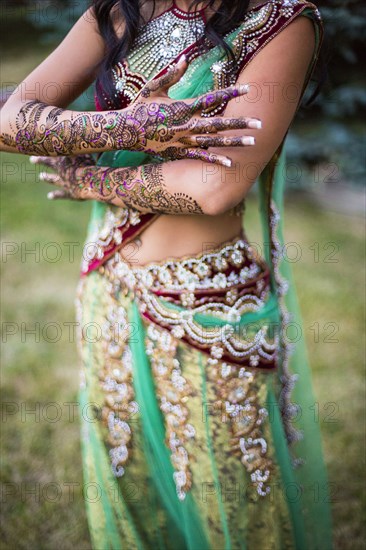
{"points": [[191, 185], [155, 124]]}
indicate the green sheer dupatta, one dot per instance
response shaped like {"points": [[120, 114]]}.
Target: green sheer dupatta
{"points": [[291, 399]]}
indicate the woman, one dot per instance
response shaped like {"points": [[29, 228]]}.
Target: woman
{"points": [[202, 433]]}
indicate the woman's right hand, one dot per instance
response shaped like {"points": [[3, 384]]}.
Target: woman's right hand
{"points": [[173, 130]]}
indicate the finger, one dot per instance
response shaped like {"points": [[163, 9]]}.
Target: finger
{"points": [[159, 86], [218, 97], [50, 178], [201, 154], [89, 160], [181, 67], [59, 194], [214, 125], [55, 162], [47, 161], [218, 141]]}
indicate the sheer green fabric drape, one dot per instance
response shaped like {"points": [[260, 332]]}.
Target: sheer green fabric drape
{"points": [[301, 461]]}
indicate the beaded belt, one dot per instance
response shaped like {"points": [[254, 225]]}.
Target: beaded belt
{"points": [[202, 298]]}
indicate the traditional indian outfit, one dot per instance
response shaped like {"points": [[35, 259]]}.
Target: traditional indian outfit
{"points": [[198, 427]]}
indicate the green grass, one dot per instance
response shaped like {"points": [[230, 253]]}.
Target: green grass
{"points": [[38, 453]]}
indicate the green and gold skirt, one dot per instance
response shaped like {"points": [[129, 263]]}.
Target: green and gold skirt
{"points": [[182, 438]]}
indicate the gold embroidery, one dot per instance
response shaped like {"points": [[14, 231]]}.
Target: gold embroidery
{"points": [[225, 284], [238, 403], [173, 391], [237, 387], [116, 381]]}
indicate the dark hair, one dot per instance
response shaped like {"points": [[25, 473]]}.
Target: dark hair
{"points": [[228, 15]]}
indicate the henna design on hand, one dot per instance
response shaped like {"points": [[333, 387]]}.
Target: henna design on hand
{"points": [[140, 188], [66, 175], [156, 126]]}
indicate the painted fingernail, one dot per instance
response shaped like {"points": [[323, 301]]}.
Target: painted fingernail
{"points": [[244, 88], [226, 162], [248, 140], [181, 60], [50, 195], [255, 124], [33, 159], [42, 175]]}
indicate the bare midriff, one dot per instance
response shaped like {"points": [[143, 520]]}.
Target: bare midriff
{"points": [[178, 236]]}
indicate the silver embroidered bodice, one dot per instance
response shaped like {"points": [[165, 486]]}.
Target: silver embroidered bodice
{"points": [[161, 41]]}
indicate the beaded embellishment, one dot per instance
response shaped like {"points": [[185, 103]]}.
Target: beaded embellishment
{"points": [[238, 405], [119, 225], [236, 386], [261, 24], [116, 382], [288, 409], [158, 43], [224, 284], [173, 391]]}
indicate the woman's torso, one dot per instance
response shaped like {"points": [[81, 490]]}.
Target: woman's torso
{"points": [[174, 235]]}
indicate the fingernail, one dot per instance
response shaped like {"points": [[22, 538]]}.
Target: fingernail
{"points": [[226, 162], [42, 175], [248, 140], [33, 159], [50, 195], [244, 88], [255, 124], [181, 59]]}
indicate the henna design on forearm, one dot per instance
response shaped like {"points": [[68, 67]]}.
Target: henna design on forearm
{"points": [[142, 188], [41, 130]]}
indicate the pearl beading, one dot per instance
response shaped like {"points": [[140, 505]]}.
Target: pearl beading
{"points": [[158, 43], [289, 410], [193, 289]]}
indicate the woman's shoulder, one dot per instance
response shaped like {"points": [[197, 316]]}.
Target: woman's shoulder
{"points": [[265, 20], [262, 23], [280, 8]]}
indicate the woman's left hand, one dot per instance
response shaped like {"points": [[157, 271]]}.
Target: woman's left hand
{"points": [[179, 129], [65, 175]]}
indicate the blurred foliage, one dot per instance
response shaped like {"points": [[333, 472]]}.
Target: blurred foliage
{"points": [[329, 131]]}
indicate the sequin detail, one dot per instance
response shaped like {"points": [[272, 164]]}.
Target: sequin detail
{"points": [[195, 281], [288, 380], [159, 42], [173, 391], [224, 284], [260, 25], [116, 382], [239, 406], [120, 225]]}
